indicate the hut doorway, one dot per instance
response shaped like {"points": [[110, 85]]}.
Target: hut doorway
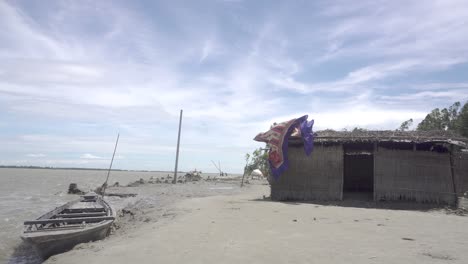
{"points": [[358, 178]]}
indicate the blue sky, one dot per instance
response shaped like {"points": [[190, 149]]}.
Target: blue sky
{"points": [[74, 73]]}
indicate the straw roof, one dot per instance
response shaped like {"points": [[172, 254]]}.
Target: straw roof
{"points": [[388, 136]]}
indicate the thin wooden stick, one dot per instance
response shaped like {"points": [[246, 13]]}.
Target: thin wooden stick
{"points": [[110, 167]]}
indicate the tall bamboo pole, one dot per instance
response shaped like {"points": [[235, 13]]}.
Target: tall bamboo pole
{"points": [[177, 152]]}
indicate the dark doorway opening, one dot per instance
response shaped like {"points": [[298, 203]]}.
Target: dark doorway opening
{"points": [[358, 179]]}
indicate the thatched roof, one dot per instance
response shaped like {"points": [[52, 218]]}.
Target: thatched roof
{"points": [[389, 136]]}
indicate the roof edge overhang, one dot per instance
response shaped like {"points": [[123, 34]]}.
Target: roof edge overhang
{"points": [[319, 139]]}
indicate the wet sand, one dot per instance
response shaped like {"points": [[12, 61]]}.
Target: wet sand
{"points": [[244, 228]]}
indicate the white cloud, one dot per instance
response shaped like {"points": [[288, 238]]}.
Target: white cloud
{"points": [[231, 75], [89, 156], [207, 50], [38, 155], [439, 86], [400, 28], [452, 96]]}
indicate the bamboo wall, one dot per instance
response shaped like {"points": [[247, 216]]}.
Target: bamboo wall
{"points": [[460, 164], [419, 176], [317, 177]]}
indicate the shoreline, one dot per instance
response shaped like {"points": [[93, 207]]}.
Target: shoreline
{"points": [[101, 169], [84, 169]]}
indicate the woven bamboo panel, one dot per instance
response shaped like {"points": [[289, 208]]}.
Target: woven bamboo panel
{"points": [[460, 164], [315, 177], [419, 176]]}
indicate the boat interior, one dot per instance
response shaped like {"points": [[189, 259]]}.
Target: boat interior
{"points": [[74, 215]]}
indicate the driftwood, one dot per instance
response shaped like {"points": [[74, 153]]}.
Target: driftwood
{"points": [[122, 195]]}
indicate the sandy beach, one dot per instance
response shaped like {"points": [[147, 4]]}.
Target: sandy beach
{"points": [[27, 194], [245, 228]]}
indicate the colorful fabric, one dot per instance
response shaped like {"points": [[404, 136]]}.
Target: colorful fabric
{"points": [[277, 140]]}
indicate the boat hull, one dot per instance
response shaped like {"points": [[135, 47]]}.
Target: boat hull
{"points": [[83, 220], [56, 242]]}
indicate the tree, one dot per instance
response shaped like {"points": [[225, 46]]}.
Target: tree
{"points": [[405, 125], [451, 119], [433, 121], [462, 122], [358, 129], [450, 116], [258, 160], [445, 119]]}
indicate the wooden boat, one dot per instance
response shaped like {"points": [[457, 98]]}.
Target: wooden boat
{"points": [[86, 219]]}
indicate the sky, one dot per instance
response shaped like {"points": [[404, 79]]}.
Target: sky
{"points": [[73, 74]]}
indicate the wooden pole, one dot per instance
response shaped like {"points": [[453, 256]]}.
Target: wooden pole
{"points": [[245, 171], [104, 186], [454, 185], [177, 152]]}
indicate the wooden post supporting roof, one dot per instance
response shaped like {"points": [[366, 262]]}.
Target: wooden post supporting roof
{"points": [[374, 153], [454, 188]]}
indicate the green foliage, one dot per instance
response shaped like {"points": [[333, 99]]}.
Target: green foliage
{"points": [[433, 121], [462, 122], [257, 160], [358, 129], [405, 125], [451, 116], [452, 119]]}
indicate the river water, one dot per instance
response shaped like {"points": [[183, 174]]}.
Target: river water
{"points": [[26, 194]]}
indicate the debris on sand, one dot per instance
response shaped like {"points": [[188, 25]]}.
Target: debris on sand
{"points": [[99, 190], [153, 179], [193, 176], [126, 211], [440, 256], [136, 183], [73, 189], [463, 202], [211, 179], [457, 211]]}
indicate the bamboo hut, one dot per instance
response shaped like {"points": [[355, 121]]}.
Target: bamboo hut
{"points": [[385, 165]]}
